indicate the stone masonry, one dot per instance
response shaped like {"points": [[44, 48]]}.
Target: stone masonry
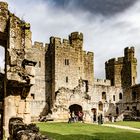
{"points": [[15, 37], [58, 77]]}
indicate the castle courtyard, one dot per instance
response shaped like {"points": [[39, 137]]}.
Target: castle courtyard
{"points": [[57, 84]]}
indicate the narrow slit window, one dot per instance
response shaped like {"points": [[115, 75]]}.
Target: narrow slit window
{"points": [[66, 61], [113, 97], [67, 80], [39, 64]]}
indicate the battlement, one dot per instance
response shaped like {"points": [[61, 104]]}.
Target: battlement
{"points": [[90, 53], [115, 61], [66, 41], [75, 36], [111, 61], [58, 42], [129, 49], [39, 45], [103, 82]]}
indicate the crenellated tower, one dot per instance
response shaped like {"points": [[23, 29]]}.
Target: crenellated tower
{"points": [[122, 71], [76, 40]]}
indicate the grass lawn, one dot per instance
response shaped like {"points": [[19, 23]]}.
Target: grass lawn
{"points": [[81, 131], [128, 123]]}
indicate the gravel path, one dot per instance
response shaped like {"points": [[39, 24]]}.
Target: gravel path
{"points": [[122, 127]]}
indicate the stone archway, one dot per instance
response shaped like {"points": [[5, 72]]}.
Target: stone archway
{"points": [[75, 108]]}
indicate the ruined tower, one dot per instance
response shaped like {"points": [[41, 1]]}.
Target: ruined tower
{"points": [[15, 37], [123, 71]]}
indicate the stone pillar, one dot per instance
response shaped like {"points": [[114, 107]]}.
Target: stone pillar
{"points": [[10, 111]]}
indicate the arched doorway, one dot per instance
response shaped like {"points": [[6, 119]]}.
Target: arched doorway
{"points": [[75, 108], [94, 111]]}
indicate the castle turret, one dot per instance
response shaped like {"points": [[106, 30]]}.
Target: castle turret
{"points": [[130, 67], [129, 53], [76, 40]]}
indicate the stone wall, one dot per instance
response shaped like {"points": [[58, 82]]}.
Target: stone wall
{"points": [[131, 101], [38, 95], [66, 97]]}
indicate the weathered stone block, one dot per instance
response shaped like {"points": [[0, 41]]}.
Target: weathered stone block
{"points": [[30, 70]]}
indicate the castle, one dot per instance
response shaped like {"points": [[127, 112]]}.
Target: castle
{"points": [[59, 77]]}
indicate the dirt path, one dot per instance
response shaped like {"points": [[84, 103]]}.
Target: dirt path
{"points": [[122, 127]]}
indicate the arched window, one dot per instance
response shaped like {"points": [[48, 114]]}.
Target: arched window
{"points": [[100, 105], [120, 96]]}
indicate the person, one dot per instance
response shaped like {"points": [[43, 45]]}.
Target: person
{"points": [[69, 117], [73, 116], [94, 118], [100, 119], [80, 115], [112, 118]]}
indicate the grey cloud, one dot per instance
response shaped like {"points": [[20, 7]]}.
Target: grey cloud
{"points": [[103, 7]]}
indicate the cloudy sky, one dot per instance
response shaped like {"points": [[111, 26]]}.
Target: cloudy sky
{"points": [[108, 25]]}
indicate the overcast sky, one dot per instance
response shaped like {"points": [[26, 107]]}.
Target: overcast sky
{"points": [[108, 25]]}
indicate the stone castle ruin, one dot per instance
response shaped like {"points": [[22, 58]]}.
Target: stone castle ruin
{"points": [[58, 77]]}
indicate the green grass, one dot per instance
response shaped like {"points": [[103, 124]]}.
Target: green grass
{"points": [[128, 123], [80, 131]]}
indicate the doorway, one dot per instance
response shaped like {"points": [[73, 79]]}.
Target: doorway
{"points": [[94, 111], [75, 108]]}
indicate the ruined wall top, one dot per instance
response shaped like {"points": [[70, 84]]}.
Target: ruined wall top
{"points": [[3, 5], [3, 16], [40, 46]]}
